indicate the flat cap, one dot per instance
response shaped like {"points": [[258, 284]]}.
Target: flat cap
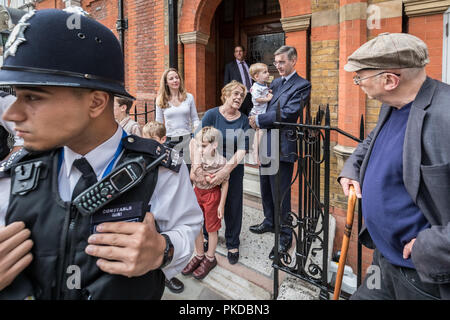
{"points": [[389, 51]]}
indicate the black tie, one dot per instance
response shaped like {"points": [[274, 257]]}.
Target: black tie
{"points": [[247, 83], [87, 179], [283, 81]]}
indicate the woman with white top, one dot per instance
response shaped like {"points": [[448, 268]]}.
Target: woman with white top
{"points": [[176, 109]]}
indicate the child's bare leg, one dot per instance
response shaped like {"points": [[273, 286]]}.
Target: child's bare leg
{"points": [[213, 238], [199, 244], [256, 147], [258, 136]]}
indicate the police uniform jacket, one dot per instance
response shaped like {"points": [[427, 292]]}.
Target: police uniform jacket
{"points": [[60, 237]]}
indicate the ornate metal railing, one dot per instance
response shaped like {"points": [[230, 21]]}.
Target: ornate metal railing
{"points": [[310, 225], [145, 113]]}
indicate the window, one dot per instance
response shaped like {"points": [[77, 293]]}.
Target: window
{"points": [[256, 8], [262, 47]]}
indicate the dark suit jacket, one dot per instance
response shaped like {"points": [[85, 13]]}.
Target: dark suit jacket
{"points": [[232, 73], [289, 96], [426, 175]]}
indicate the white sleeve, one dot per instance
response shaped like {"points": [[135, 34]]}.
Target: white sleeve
{"points": [[176, 210], [159, 116], [5, 186], [194, 116], [5, 102]]}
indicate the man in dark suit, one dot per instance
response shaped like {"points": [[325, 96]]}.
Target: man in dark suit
{"points": [[288, 91], [238, 70]]}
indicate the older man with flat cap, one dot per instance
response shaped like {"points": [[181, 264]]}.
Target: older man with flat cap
{"points": [[402, 171]]}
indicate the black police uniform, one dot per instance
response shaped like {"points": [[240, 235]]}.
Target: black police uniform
{"points": [[60, 232], [88, 57]]}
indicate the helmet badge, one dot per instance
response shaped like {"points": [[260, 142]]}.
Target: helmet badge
{"points": [[17, 36]]}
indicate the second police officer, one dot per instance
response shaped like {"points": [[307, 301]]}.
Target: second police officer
{"points": [[65, 80]]}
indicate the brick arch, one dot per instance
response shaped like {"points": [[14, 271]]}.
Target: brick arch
{"points": [[194, 30], [196, 15]]}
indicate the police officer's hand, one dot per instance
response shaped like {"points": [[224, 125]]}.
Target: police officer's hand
{"points": [[346, 183], [127, 248], [15, 255]]}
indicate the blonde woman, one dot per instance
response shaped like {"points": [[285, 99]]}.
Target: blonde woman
{"points": [[227, 118], [175, 108]]}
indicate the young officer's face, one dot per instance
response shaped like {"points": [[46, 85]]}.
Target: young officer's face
{"points": [[49, 117]]}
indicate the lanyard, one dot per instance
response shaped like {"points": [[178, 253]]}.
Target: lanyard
{"points": [[111, 163]]}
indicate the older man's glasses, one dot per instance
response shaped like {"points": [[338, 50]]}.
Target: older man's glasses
{"points": [[357, 79], [279, 63]]}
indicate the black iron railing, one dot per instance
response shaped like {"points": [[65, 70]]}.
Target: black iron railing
{"points": [[145, 113], [310, 225]]}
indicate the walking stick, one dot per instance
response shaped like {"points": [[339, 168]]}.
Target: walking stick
{"points": [[345, 242]]}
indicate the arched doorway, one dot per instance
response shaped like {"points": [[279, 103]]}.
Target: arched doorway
{"points": [[209, 29], [255, 24]]}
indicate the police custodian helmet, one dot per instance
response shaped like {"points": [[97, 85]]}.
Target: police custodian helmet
{"points": [[58, 48]]}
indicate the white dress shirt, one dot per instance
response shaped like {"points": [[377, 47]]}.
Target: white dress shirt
{"points": [[242, 72], [173, 203], [5, 102]]}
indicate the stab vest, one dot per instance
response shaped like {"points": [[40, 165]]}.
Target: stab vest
{"points": [[4, 149], [59, 233]]}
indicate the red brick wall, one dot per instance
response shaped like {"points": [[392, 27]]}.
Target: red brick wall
{"points": [[430, 29]]}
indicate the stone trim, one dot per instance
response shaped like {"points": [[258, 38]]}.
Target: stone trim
{"points": [[194, 37], [342, 153], [415, 8], [72, 3], [353, 11], [296, 23], [325, 18]]}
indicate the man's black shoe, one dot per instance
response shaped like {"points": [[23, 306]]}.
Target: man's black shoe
{"points": [[261, 228], [175, 285], [282, 248], [233, 257]]}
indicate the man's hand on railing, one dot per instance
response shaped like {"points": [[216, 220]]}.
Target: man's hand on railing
{"points": [[346, 183]]}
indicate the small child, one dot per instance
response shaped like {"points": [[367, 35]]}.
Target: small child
{"points": [[261, 95], [206, 161], [155, 130]]}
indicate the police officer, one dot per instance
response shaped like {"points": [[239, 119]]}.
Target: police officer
{"points": [[65, 78]]}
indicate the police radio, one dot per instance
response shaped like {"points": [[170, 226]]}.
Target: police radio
{"points": [[121, 179]]}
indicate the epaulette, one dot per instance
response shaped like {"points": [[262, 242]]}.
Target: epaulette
{"points": [[6, 165], [155, 149]]}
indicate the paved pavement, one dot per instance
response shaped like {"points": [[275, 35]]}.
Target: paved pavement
{"points": [[250, 279]]}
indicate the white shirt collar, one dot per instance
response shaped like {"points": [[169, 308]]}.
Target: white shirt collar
{"points": [[290, 75], [98, 158]]}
